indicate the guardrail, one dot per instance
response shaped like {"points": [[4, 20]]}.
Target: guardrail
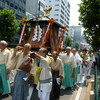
{"points": [[96, 89]]}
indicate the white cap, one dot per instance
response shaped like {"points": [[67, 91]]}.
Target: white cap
{"points": [[4, 42], [68, 48]]}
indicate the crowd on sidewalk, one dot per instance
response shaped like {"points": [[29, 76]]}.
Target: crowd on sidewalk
{"points": [[23, 70]]}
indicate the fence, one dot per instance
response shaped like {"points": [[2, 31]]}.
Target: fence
{"points": [[96, 89]]}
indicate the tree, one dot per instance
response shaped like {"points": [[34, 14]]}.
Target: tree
{"points": [[90, 20], [67, 41], [77, 45], [8, 25]]}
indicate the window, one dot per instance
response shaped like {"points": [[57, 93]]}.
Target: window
{"points": [[56, 19], [57, 5], [56, 9], [56, 15], [61, 21]]}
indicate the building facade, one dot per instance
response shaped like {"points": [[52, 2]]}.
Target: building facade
{"points": [[35, 8], [71, 33], [78, 36], [18, 6], [77, 33], [60, 11]]}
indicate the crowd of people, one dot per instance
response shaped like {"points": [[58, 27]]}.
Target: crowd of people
{"points": [[48, 73]]}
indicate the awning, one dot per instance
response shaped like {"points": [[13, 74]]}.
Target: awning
{"points": [[84, 44]]}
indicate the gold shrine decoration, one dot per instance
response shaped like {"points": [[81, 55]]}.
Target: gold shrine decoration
{"points": [[47, 34], [47, 10], [62, 38], [24, 21]]}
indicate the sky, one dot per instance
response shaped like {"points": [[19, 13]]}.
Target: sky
{"points": [[74, 14]]}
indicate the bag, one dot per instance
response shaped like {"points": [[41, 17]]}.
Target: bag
{"points": [[73, 75], [26, 65]]}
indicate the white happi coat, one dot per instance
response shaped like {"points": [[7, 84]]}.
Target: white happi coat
{"points": [[17, 61], [92, 59], [77, 58], [45, 74]]}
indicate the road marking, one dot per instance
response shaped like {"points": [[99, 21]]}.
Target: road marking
{"points": [[79, 90]]}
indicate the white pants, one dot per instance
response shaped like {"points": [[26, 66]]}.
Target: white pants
{"points": [[81, 71], [43, 95], [89, 70], [44, 90], [30, 92], [85, 70]]}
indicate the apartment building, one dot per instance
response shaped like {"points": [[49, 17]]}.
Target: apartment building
{"points": [[60, 11], [35, 7], [77, 33]]}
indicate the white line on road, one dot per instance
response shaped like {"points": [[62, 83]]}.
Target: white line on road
{"points": [[79, 90]]}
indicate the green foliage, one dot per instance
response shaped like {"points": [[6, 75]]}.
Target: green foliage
{"points": [[67, 41], [77, 45], [8, 25], [90, 20]]}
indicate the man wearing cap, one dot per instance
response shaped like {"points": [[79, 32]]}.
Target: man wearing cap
{"points": [[69, 65], [86, 60], [91, 62], [5, 55]]}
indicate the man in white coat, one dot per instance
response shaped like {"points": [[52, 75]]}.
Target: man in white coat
{"points": [[91, 62], [45, 77]]}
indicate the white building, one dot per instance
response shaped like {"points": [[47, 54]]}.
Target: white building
{"points": [[77, 33], [35, 7], [60, 11], [71, 32]]}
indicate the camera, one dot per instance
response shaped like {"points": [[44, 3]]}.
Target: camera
{"points": [[32, 55]]}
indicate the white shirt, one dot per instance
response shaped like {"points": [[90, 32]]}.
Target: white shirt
{"points": [[46, 70], [58, 66], [45, 74], [68, 59], [5, 56]]}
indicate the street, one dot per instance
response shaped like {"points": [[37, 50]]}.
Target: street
{"points": [[82, 91]]}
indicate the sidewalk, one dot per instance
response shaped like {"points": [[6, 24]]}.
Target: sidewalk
{"points": [[90, 95]]}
